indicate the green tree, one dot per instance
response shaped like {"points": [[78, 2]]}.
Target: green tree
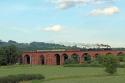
{"points": [[121, 58], [111, 64], [3, 59], [9, 55], [100, 59], [75, 59], [87, 58]]}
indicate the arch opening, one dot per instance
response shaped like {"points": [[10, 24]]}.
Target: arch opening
{"points": [[75, 58], [120, 54], [96, 56], [27, 59], [42, 60], [65, 58], [57, 59], [86, 58]]}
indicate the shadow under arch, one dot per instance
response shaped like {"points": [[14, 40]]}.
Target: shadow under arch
{"points": [[120, 54], [27, 59], [57, 56], [75, 58], [86, 57], [96, 55], [42, 60], [65, 58]]}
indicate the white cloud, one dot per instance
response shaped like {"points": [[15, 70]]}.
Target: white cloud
{"points": [[105, 11], [64, 4], [54, 28]]}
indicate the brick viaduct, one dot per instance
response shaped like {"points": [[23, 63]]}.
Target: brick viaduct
{"points": [[59, 57]]}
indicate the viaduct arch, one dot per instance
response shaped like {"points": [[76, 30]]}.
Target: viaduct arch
{"points": [[60, 57]]}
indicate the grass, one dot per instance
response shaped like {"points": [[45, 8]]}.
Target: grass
{"points": [[60, 74]]}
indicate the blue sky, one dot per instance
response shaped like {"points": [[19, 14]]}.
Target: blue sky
{"points": [[87, 21]]}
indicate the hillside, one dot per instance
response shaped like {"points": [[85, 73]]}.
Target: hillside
{"points": [[36, 46], [46, 46]]}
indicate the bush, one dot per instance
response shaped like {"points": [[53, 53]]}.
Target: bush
{"points": [[20, 77], [71, 61], [100, 59], [87, 59], [121, 65], [121, 58], [111, 64], [83, 65]]}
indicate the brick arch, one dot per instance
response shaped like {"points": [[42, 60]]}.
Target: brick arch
{"points": [[57, 59], [120, 53], [96, 55], [27, 59], [42, 59], [75, 56], [65, 57], [86, 57], [51, 57]]}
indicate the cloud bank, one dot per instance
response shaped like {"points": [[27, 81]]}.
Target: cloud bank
{"points": [[65, 4], [105, 11]]}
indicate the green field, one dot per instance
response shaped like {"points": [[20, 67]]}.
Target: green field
{"points": [[60, 74]]}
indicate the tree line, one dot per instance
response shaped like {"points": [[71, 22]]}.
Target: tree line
{"points": [[9, 55], [36, 46], [46, 46]]}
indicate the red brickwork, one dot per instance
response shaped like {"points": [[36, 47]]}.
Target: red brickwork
{"points": [[57, 57]]}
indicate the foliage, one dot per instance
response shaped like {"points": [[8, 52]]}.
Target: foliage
{"points": [[110, 63], [9, 55], [36, 46], [121, 65], [100, 59], [71, 61], [75, 59], [121, 58], [46, 46], [87, 58], [83, 65], [20, 77]]}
